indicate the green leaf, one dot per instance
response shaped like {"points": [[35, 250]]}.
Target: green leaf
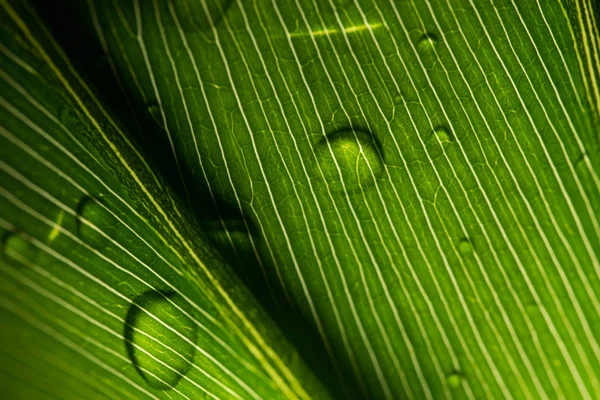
{"points": [[417, 179], [108, 288]]}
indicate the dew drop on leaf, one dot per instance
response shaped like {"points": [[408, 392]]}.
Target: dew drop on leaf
{"points": [[581, 165], [17, 249], [160, 338], [443, 135], [465, 247], [352, 153], [427, 42], [91, 212], [454, 380]]}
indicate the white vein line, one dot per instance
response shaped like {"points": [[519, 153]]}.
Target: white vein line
{"points": [[485, 275], [507, 321], [314, 249], [217, 136], [420, 288], [140, 40], [82, 165], [302, 122], [456, 287], [67, 261], [263, 64], [570, 122], [49, 295], [24, 297], [28, 183], [362, 234], [279, 372], [55, 361], [26, 376], [549, 322], [29, 318], [580, 100], [184, 39], [582, 319], [206, 180], [96, 177]]}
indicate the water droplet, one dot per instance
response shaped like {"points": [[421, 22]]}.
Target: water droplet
{"points": [[353, 153], [154, 111], [454, 380], [17, 249], [465, 247], [162, 364], [442, 134], [427, 42], [90, 212], [68, 116]]}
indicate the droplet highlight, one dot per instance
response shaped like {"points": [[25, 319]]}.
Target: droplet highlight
{"points": [[95, 224], [427, 42], [454, 380], [465, 247], [162, 352], [350, 159], [443, 135], [17, 249]]}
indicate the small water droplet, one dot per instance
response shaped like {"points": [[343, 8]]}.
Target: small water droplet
{"points": [[154, 111], [353, 153], [465, 247], [581, 165], [17, 249], [442, 134], [90, 211], [160, 366], [68, 116], [454, 380], [427, 42]]}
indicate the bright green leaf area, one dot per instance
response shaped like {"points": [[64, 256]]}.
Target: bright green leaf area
{"points": [[409, 188]]}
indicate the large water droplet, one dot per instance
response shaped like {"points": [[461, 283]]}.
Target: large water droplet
{"points": [[90, 212], [465, 247], [161, 365], [427, 42], [454, 380], [17, 249], [352, 153]]}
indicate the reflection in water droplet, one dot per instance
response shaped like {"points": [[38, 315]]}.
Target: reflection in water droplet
{"points": [[465, 247], [443, 135], [161, 365], [427, 42], [353, 153], [91, 212], [17, 249], [454, 380]]}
